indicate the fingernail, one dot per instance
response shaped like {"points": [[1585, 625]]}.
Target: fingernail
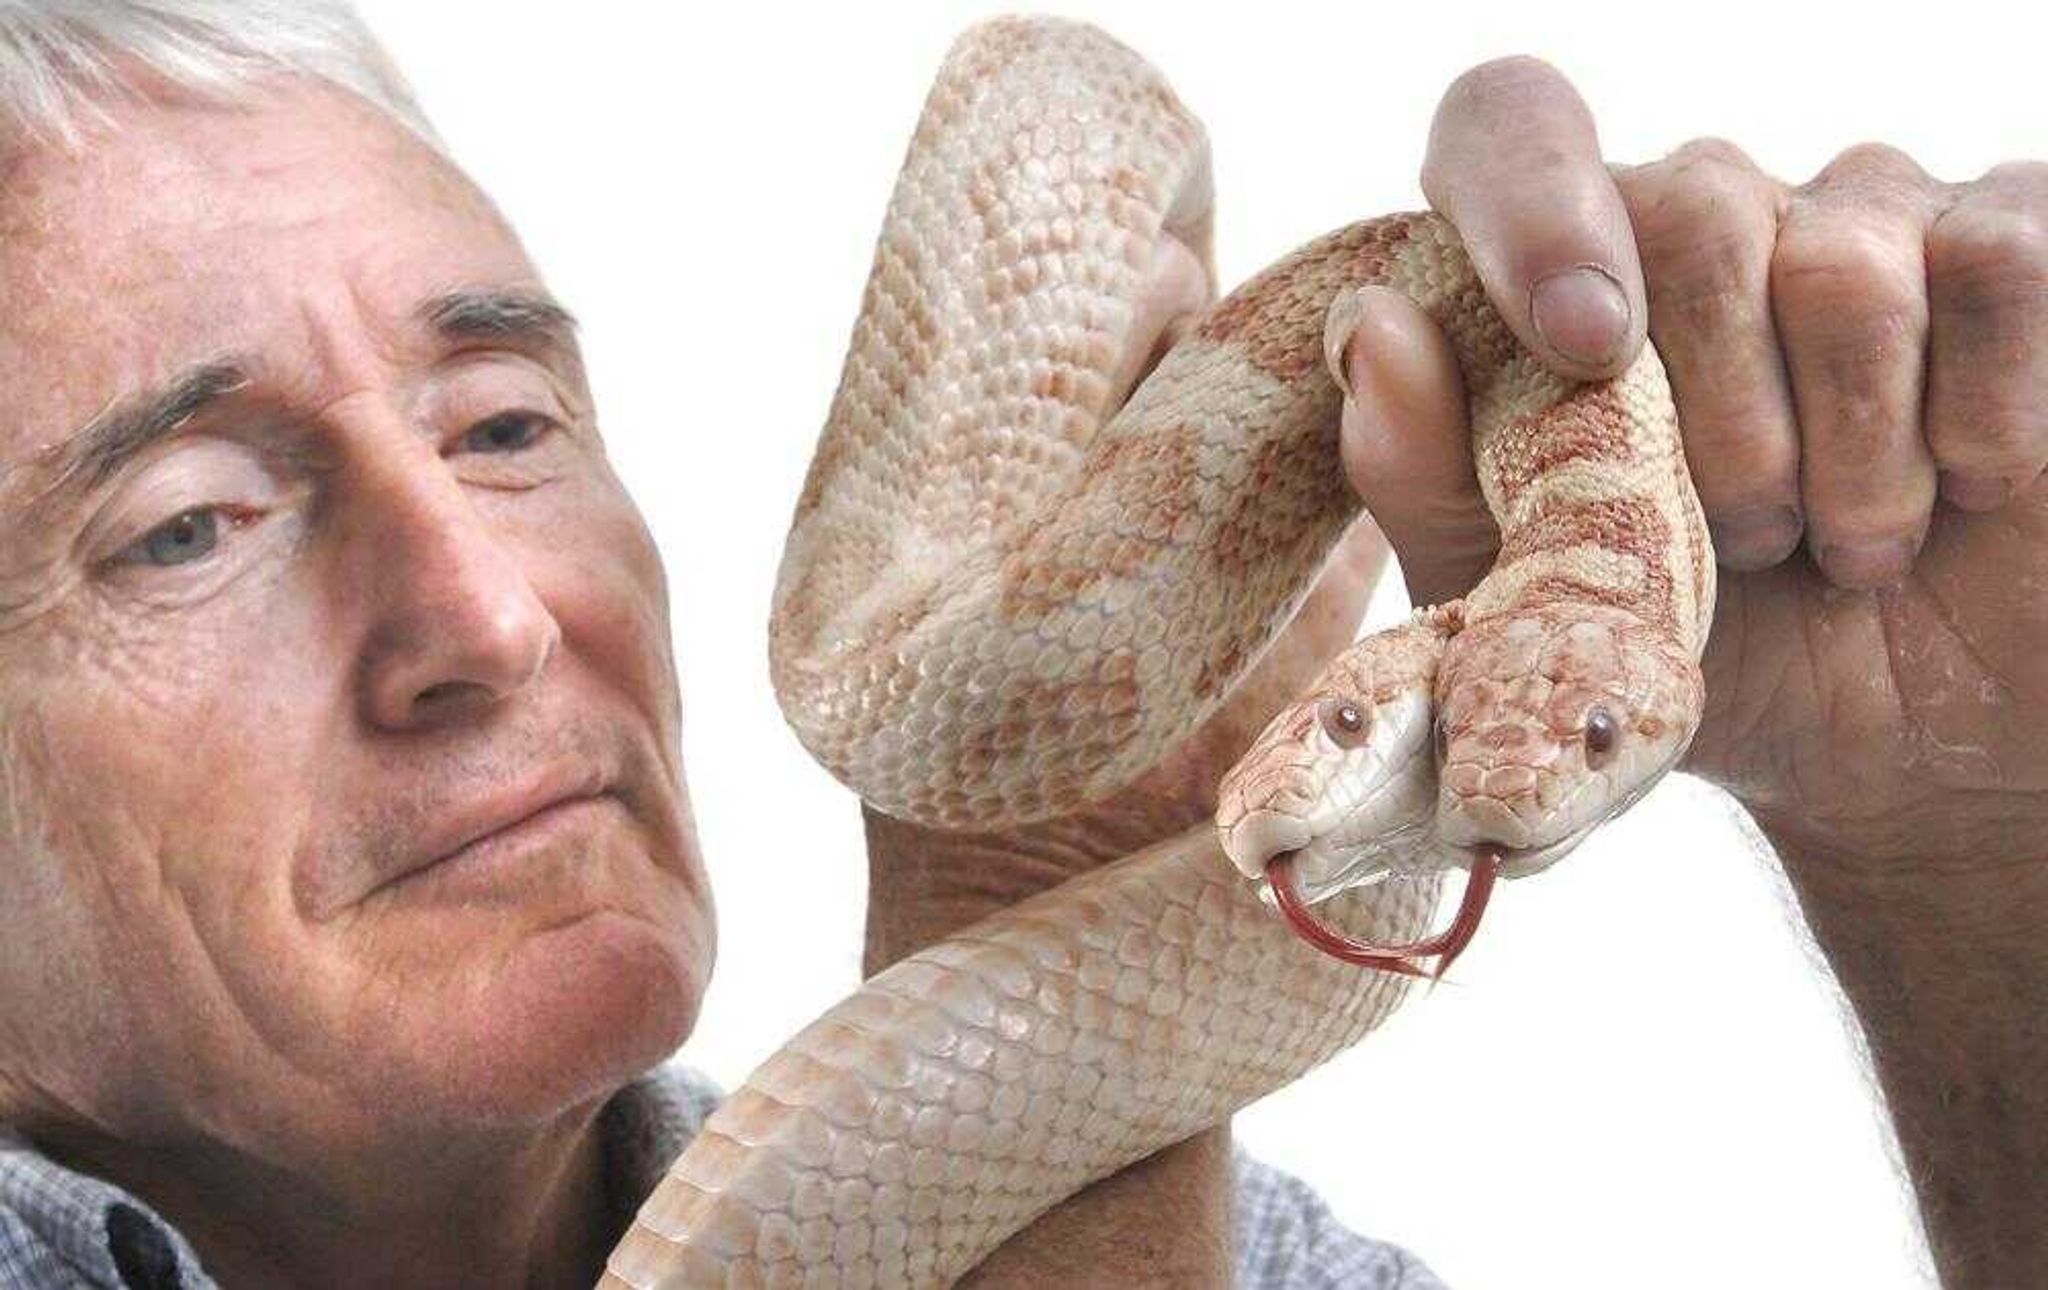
{"points": [[1865, 565], [1975, 492], [1339, 325], [1582, 313], [1756, 537]]}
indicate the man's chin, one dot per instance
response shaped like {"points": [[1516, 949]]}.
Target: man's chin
{"points": [[569, 1015]]}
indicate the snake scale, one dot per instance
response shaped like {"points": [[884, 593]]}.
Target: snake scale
{"points": [[1004, 596]]}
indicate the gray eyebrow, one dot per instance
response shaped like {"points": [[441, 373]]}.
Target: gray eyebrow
{"points": [[497, 313], [90, 455], [128, 426]]}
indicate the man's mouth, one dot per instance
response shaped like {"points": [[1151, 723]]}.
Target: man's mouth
{"points": [[511, 823]]}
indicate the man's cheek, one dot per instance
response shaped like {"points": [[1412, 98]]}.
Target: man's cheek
{"points": [[619, 533], [153, 690], [608, 588], [176, 814]]}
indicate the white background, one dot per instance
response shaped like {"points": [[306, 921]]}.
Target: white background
{"points": [[1642, 1074]]}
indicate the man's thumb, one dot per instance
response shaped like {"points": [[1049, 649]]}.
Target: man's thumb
{"points": [[1407, 446]]}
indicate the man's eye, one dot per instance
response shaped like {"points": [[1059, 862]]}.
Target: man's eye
{"points": [[185, 537], [507, 432]]}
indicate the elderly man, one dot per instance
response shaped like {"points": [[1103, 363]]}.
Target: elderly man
{"points": [[351, 888]]}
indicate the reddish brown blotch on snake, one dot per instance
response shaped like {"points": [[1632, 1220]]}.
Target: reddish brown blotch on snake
{"points": [[1004, 597]]}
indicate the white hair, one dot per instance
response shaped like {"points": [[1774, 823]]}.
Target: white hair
{"points": [[64, 62]]}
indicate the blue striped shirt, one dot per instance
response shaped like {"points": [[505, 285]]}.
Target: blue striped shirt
{"points": [[60, 1228]]}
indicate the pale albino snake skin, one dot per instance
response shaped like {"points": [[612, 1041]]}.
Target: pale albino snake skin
{"points": [[994, 608]]}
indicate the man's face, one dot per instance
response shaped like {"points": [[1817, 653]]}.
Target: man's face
{"points": [[345, 582]]}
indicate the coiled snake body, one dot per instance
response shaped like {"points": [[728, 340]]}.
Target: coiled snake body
{"points": [[1003, 598]]}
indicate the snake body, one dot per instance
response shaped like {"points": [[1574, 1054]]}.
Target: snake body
{"points": [[1004, 597]]}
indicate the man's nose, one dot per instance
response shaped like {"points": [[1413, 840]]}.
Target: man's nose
{"points": [[456, 624]]}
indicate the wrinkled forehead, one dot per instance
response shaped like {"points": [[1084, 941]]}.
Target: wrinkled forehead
{"points": [[304, 228]]}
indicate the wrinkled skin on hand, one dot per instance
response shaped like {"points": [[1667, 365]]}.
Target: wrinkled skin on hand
{"points": [[1908, 726]]}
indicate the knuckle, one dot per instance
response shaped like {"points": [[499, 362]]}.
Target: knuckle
{"points": [[1516, 80], [1842, 274], [1986, 259], [1711, 152], [1673, 201], [1517, 110], [1705, 238], [2023, 176], [1871, 160], [1709, 287]]}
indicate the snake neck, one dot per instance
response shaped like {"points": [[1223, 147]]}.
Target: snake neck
{"points": [[1575, 683]]}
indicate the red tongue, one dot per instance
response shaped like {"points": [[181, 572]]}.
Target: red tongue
{"points": [[1449, 943]]}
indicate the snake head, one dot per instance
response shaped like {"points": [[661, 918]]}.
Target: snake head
{"points": [[1550, 722], [1341, 777]]}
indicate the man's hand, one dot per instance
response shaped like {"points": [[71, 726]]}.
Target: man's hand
{"points": [[1861, 371], [1860, 366]]}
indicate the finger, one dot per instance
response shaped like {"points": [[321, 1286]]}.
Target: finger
{"points": [[1848, 290], [1705, 221], [1987, 284], [1406, 444], [1514, 164]]}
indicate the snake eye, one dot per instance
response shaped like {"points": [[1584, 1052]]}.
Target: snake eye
{"points": [[1603, 735], [1344, 722]]}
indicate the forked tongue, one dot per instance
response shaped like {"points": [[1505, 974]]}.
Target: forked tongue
{"points": [[1445, 946]]}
